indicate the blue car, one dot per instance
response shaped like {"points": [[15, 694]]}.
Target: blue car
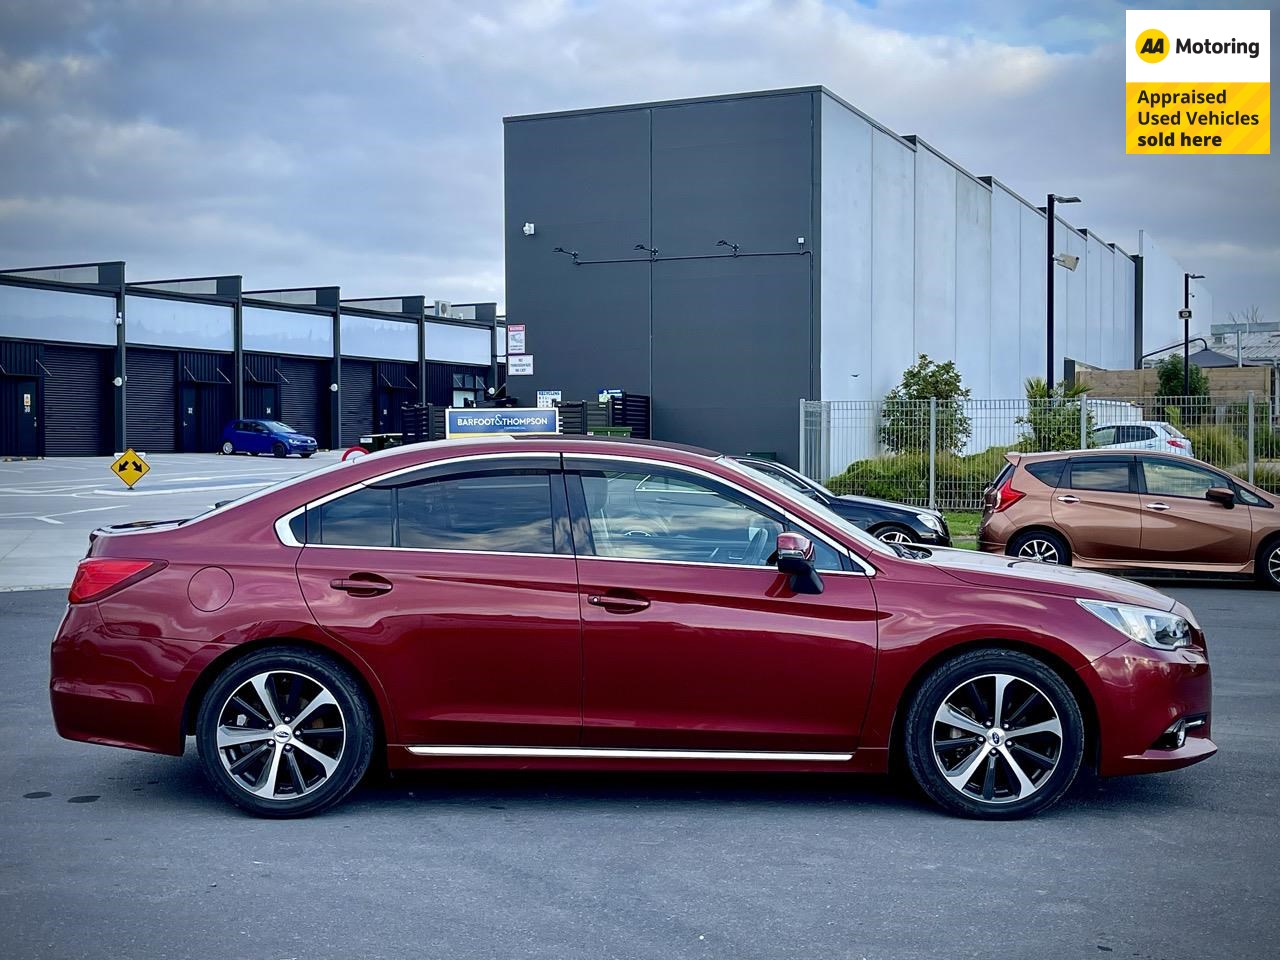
{"points": [[266, 436]]}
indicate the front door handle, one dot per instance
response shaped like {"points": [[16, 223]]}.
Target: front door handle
{"points": [[618, 604], [1068, 499], [1157, 506], [362, 584]]}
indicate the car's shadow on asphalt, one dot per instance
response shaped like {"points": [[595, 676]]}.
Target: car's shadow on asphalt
{"points": [[179, 786]]}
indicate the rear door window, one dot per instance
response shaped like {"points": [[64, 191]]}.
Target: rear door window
{"points": [[1109, 475], [494, 513], [1104, 436]]}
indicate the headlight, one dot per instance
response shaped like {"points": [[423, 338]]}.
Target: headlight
{"points": [[1154, 628], [931, 521]]}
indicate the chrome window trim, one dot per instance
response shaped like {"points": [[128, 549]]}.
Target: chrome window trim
{"points": [[866, 570], [623, 753]]}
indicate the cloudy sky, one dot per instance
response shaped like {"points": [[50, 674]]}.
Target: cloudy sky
{"points": [[360, 141]]}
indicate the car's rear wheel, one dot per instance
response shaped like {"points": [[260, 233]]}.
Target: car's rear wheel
{"points": [[893, 534], [1042, 545], [994, 734], [278, 449], [1267, 565], [228, 447], [285, 733]]}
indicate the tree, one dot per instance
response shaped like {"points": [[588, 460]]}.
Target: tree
{"points": [[1169, 374], [904, 418], [1052, 420]]}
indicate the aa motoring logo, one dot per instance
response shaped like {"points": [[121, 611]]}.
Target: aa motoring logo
{"points": [[1152, 46]]}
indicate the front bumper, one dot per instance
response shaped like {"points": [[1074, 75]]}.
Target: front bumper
{"points": [[1139, 693]]}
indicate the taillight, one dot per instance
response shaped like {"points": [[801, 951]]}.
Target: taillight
{"points": [[1006, 496], [98, 576], [1176, 443]]}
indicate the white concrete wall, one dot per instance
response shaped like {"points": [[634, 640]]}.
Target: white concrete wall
{"points": [[1162, 298], [917, 256]]}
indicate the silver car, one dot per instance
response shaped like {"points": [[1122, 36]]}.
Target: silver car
{"points": [[1142, 435]]}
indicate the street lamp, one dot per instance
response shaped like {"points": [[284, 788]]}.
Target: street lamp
{"points": [[1186, 330], [1052, 260]]}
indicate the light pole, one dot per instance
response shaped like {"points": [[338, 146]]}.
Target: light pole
{"points": [[1052, 259], [1186, 330]]}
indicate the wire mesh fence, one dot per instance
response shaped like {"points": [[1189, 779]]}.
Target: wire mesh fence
{"points": [[943, 453]]}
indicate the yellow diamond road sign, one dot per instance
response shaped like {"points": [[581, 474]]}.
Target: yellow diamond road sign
{"points": [[130, 467]]}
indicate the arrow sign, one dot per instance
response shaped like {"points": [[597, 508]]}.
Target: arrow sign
{"points": [[130, 468]]}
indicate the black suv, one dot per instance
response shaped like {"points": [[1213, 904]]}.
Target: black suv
{"points": [[891, 522]]}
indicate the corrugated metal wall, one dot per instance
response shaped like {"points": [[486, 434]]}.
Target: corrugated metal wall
{"points": [[77, 401], [304, 398], [151, 400], [357, 399]]}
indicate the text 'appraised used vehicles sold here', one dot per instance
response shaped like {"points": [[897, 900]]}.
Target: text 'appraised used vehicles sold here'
{"points": [[562, 602]]}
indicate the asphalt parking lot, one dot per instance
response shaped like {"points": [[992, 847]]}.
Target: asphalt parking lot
{"points": [[48, 507], [108, 853]]}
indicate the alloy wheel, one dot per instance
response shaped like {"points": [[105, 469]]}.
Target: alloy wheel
{"points": [[281, 735], [1039, 549], [894, 536], [997, 738]]}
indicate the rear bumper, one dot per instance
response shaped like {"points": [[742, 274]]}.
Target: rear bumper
{"points": [[121, 692], [1139, 694]]}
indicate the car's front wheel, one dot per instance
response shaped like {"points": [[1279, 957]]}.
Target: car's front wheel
{"points": [[1042, 545], [285, 733], [1267, 565], [228, 447], [278, 449], [994, 734], [891, 533]]}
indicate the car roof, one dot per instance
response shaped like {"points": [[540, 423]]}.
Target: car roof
{"points": [[1018, 457]]}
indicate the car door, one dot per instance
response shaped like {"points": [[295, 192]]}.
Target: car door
{"points": [[692, 640], [1097, 507], [1181, 526], [259, 437], [456, 581]]}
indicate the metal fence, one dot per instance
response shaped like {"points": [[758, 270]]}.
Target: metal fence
{"points": [[943, 453]]}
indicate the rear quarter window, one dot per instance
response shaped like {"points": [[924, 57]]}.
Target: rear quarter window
{"points": [[1047, 472]]}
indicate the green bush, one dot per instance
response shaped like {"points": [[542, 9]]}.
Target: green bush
{"points": [[1218, 445], [905, 477], [1267, 476]]}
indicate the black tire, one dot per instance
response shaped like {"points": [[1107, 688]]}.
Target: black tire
{"points": [[253, 453], [304, 785], [306, 456], [1266, 565], [1036, 544], [999, 794], [279, 450], [228, 448], [894, 533]]}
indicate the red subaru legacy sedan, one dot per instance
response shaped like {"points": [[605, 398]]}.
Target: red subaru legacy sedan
{"points": [[578, 603]]}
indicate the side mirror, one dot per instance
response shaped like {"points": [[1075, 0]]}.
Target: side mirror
{"points": [[1221, 495], [795, 559]]}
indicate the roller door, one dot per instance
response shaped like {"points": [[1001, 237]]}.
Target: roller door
{"points": [[304, 397], [357, 400], [151, 401], [77, 401]]}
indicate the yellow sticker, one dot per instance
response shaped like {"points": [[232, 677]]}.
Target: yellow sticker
{"points": [[130, 467]]}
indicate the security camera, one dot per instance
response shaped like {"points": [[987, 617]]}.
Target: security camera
{"points": [[1067, 260], [528, 229]]}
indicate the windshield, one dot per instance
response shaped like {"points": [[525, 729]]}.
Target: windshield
{"points": [[851, 531], [275, 426]]}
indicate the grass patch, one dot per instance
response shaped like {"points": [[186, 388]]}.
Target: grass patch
{"points": [[964, 527]]}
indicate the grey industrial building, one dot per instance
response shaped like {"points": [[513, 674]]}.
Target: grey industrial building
{"points": [[91, 363], [731, 255]]}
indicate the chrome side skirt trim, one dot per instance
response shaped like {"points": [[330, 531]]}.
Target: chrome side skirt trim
{"points": [[610, 753]]}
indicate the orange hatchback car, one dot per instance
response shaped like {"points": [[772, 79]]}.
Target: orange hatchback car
{"points": [[1121, 509]]}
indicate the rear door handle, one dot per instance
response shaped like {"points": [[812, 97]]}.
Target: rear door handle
{"points": [[618, 604], [1068, 499], [1157, 506], [362, 584]]}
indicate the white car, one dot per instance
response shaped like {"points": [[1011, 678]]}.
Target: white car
{"points": [[1142, 435]]}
